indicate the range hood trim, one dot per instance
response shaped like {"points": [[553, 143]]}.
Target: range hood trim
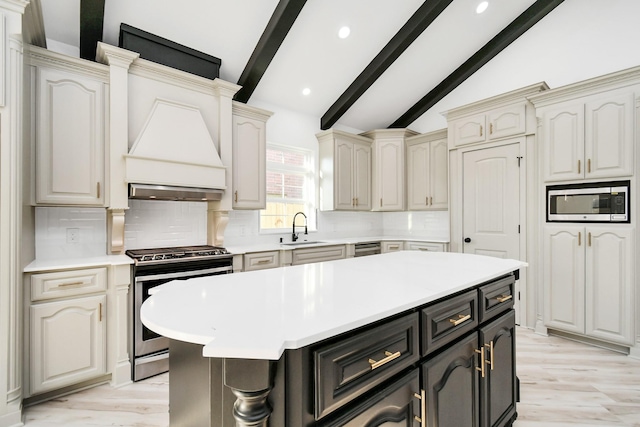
{"points": [[174, 193]]}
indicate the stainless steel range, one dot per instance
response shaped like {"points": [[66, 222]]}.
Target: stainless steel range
{"points": [[153, 267]]}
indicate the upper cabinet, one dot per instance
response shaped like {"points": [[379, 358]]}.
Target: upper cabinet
{"points": [[587, 129], [591, 137], [345, 171], [495, 124], [388, 184], [69, 137], [427, 171], [249, 156]]}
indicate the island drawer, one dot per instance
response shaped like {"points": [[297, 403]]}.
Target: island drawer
{"points": [[261, 260], [445, 321], [348, 368], [63, 284], [496, 297]]}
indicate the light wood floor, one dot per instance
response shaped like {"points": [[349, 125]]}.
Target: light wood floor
{"points": [[562, 384]]}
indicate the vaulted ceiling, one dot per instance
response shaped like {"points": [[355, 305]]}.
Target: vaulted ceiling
{"points": [[401, 58]]}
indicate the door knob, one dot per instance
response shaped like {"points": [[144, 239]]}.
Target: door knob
{"points": [[467, 240]]}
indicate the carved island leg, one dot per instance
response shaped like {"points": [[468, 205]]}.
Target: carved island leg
{"points": [[251, 381]]}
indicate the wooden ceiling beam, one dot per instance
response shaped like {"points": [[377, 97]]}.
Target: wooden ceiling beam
{"points": [[515, 29], [412, 29], [277, 28], [91, 26]]}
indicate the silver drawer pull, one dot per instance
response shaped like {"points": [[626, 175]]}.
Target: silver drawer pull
{"points": [[389, 358], [66, 285], [503, 298], [461, 319]]}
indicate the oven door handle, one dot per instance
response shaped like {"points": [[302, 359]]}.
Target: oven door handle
{"points": [[183, 274]]}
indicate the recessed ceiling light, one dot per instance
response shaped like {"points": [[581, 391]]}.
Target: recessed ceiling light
{"points": [[482, 7], [344, 32], [306, 91]]}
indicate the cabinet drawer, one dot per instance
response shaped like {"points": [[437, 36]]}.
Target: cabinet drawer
{"points": [[495, 297], [261, 260], [447, 320], [424, 246], [62, 284], [346, 369], [324, 253], [391, 247]]}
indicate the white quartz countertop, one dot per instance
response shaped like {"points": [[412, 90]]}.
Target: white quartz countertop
{"points": [[72, 263], [259, 314]]}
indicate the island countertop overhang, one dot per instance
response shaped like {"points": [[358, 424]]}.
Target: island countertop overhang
{"points": [[258, 315]]}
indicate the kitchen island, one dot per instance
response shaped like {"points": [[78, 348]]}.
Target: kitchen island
{"points": [[343, 343]]}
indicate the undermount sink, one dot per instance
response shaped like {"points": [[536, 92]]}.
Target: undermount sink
{"points": [[301, 243]]}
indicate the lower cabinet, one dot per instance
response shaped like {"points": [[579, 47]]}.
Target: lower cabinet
{"points": [[473, 383], [396, 405], [378, 377], [67, 342]]}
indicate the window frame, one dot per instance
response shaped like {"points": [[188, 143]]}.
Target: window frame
{"points": [[309, 187]]}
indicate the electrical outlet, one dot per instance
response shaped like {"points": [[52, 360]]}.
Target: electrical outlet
{"points": [[73, 235]]}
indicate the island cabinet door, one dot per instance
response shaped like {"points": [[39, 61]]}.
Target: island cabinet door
{"points": [[450, 383], [395, 405], [498, 381]]}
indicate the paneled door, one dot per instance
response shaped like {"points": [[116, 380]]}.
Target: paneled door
{"points": [[491, 204]]}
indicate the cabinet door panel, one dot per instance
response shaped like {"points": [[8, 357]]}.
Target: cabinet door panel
{"points": [[469, 130], [563, 135], [609, 284], [451, 383], [564, 277], [418, 176], [395, 406], [498, 397], [389, 176], [344, 175], [249, 163], [507, 121], [362, 177], [67, 342], [609, 137], [70, 139], [439, 175]]}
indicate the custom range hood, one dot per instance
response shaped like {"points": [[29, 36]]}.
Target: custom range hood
{"points": [[174, 157]]}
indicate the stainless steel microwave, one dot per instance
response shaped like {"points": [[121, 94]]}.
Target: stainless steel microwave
{"points": [[593, 202]]}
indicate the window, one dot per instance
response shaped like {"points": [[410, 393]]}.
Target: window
{"points": [[290, 188]]}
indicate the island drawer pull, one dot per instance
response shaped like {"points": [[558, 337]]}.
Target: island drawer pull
{"points": [[503, 298], [461, 319], [422, 397], [490, 361], [389, 358], [263, 261]]}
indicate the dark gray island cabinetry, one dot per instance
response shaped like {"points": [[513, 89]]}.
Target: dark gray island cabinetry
{"points": [[440, 354]]}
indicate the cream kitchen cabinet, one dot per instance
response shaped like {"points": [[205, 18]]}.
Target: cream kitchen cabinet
{"points": [[588, 281], [490, 125], [70, 138], [590, 137], [427, 171], [425, 246], [249, 156], [67, 328], [261, 260], [345, 171], [388, 184], [391, 246], [318, 254]]}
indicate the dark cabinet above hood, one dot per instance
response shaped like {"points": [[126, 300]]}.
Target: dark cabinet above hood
{"points": [[167, 192]]}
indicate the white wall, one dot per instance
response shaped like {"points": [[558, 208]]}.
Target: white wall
{"points": [[579, 40]]}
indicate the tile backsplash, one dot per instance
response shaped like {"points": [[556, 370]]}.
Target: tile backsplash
{"points": [[81, 232]]}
